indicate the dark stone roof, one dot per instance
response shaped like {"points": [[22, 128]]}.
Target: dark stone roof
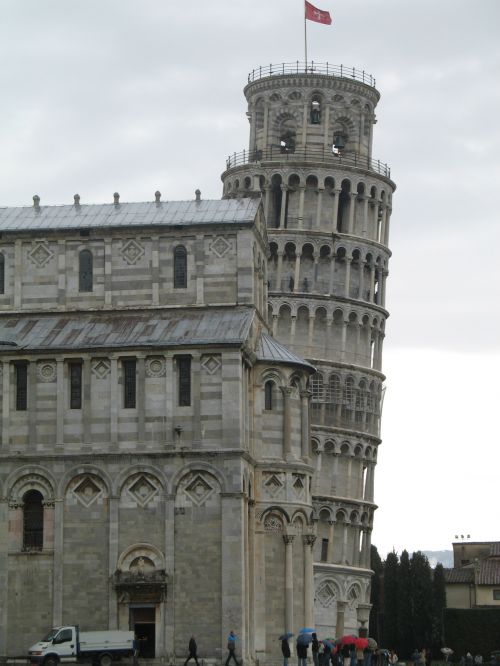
{"points": [[489, 571], [269, 349], [119, 329], [462, 575], [165, 213]]}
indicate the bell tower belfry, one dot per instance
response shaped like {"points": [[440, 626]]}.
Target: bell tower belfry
{"points": [[328, 204]]}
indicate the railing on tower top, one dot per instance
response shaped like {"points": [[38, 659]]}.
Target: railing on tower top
{"points": [[324, 68], [318, 154]]}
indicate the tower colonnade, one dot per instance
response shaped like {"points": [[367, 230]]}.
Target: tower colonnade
{"points": [[328, 205]]}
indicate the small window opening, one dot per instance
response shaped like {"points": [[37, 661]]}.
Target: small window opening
{"points": [[33, 520], [129, 383], [85, 270], [184, 381], [21, 386], [315, 112], [268, 396], [2, 274], [180, 267], [75, 385], [324, 550]]}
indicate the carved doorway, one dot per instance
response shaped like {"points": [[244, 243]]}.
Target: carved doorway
{"points": [[142, 623]]}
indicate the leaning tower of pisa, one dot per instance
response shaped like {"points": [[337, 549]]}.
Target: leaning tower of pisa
{"points": [[327, 203]]}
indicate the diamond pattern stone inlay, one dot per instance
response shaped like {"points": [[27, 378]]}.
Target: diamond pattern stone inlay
{"points": [[40, 254], [211, 364], [143, 490], [273, 485], [199, 490], [101, 368], [132, 251], [220, 246], [326, 595], [87, 491]]}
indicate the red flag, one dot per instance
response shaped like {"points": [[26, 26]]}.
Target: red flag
{"points": [[317, 15]]}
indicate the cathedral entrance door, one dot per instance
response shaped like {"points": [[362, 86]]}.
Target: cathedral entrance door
{"points": [[142, 623]]}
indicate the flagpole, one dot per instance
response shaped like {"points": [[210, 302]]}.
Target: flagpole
{"points": [[305, 37]]}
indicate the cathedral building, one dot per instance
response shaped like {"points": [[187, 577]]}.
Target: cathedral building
{"points": [[191, 391]]}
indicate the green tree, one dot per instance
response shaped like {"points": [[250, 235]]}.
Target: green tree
{"points": [[376, 567], [421, 593], [406, 637], [390, 615], [438, 606]]}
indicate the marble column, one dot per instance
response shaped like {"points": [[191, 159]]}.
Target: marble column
{"points": [[308, 540], [296, 278], [335, 194], [339, 624], [284, 192], [57, 580], [287, 440], [331, 534], [352, 210], [347, 285], [279, 270], [288, 539], [6, 372], [318, 207], [305, 427], [300, 221]]}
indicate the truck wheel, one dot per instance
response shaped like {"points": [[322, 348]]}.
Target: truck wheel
{"points": [[51, 660], [105, 659]]}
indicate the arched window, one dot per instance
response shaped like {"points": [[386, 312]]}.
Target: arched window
{"points": [[2, 274], [268, 395], [33, 520], [180, 267], [315, 112], [85, 271]]}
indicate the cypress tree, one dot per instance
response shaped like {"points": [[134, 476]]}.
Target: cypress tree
{"points": [[438, 606], [421, 592], [390, 615], [406, 637], [376, 566]]}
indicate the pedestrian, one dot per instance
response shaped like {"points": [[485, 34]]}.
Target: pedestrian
{"points": [[346, 655], [327, 652], [285, 650], [301, 653], [415, 657], [428, 657], [393, 657], [315, 649], [353, 654], [193, 649], [231, 647], [478, 660]]}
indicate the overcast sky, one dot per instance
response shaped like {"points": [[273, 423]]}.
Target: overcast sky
{"points": [[99, 96]]}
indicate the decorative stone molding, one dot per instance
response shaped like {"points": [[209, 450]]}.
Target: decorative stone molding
{"points": [[87, 490], [273, 524], [132, 252], [220, 246], [46, 371], [40, 254], [155, 366], [142, 488], [101, 367], [211, 364]]}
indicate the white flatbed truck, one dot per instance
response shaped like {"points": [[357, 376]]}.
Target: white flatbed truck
{"points": [[69, 644]]}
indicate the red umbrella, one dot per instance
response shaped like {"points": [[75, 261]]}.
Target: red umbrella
{"points": [[361, 643], [348, 640]]}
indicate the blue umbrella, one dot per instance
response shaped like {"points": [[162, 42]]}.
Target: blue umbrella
{"points": [[306, 630], [329, 644], [304, 639], [286, 636]]}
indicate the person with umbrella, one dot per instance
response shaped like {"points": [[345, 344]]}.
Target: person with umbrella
{"points": [[315, 649], [231, 646], [303, 640], [285, 650]]}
